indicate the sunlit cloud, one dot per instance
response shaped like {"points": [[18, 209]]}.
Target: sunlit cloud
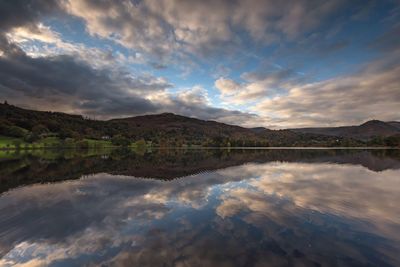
{"points": [[343, 100]]}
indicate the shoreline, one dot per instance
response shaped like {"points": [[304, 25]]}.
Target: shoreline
{"points": [[204, 148]]}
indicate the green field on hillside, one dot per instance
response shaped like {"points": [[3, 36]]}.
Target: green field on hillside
{"points": [[11, 143]]}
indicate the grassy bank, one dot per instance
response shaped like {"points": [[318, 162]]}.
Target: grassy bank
{"points": [[12, 143], [48, 143]]}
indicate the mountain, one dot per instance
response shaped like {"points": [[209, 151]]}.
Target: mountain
{"points": [[365, 131], [181, 125], [394, 123], [168, 129]]}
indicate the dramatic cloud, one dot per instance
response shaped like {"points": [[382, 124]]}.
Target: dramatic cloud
{"points": [[194, 103], [371, 93], [65, 83], [21, 12], [272, 64], [257, 85], [42, 41], [73, 85], [75, 78], [166, 27]]}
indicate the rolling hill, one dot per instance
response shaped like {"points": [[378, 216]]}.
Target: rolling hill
{"points": [[169, 129]]}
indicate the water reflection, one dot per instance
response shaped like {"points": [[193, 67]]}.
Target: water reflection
{"points": [[326, 208], [52, 165]]}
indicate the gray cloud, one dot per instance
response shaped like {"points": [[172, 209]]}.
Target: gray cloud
{"points": [[388, 41], [165, 28], [371, 93], [78, 80], [64, 82], [75, 83], [22, 12], [64, 79], [267, 81], [194, 103]]}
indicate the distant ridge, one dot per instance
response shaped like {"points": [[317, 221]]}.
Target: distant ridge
{"points": [[259, 129], [363, 131], [394, 123]]}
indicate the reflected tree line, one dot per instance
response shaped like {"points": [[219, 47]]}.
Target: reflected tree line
{"points": [[166, 164]]}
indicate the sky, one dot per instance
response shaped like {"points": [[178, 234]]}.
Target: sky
{"points": [[276, 64]]}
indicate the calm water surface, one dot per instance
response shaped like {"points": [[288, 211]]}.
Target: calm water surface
{"points": [[201, 208]]}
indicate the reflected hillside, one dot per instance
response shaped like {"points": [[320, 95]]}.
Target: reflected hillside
{"points": [[17, 169]]}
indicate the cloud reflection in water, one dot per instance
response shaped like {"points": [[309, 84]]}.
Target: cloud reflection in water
{"points": [[272, 213]]}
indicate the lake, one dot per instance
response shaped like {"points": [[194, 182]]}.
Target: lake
{"points": [[205, 207]]}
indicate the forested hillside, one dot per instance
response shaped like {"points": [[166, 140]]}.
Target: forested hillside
{"points": [[165, 129]]}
